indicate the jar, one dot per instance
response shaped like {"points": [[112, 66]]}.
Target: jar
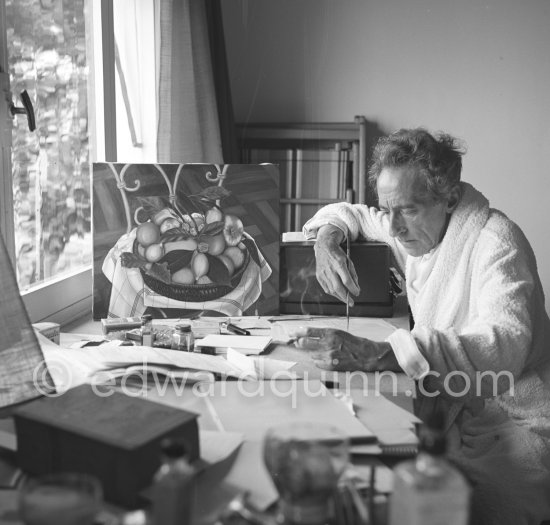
{"points": [[173, 490], [147, 335], [183, 338]]}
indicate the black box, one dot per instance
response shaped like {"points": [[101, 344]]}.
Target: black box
{"points": [[115, 438], [300, 293]]}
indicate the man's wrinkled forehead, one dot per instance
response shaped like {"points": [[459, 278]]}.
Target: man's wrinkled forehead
{"points": [[406, 182]]}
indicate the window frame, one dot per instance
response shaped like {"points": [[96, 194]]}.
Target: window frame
{"points": [[68, 297]]}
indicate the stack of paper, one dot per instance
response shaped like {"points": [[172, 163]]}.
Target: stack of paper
{"points": [[245, 344], [392, 425], [83, 365]]}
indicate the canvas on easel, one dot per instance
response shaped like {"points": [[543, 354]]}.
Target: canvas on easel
{"points": [[23, 372], [174, 239]]}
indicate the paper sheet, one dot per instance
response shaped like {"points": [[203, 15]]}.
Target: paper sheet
{"points": [[392, 425], [252, 408], [218, 446], [246, 344]]}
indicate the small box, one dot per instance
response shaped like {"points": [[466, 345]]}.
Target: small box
{"points": [[115, 438], [51, 331], [115, 324]]}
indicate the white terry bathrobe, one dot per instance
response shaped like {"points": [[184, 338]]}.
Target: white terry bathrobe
{"points": [[478, 306]]}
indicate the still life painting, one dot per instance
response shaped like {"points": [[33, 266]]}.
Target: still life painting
{"points": [[177, 240]]}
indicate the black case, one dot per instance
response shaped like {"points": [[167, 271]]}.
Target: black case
{"points": [[300, 293]]}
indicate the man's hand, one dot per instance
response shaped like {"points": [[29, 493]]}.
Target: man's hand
{"points": [[338, 350], [332, 265]]}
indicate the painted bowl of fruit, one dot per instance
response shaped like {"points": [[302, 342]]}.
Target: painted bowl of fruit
{"points": [[198, 256]]}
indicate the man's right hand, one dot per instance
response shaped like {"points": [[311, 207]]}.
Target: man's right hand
{"points": [[332, 265]]}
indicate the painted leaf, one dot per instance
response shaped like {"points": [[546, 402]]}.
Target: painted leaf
{"points": [[131, 260], [217, 271], [152, 205], [160, 272], [252, 250], [213, 193], [175, 234], [177, 259], [202, 204], [185, 204], [213, 228]]}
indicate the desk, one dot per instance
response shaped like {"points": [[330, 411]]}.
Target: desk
{"points": [[218, 484]]}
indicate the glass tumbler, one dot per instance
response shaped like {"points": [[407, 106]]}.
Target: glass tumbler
{"points": [[60, 499], [305, 461]]}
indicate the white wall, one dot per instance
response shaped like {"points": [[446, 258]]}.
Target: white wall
{"points": [[479, 70]]}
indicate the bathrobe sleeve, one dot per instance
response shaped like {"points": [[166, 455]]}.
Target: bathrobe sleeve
{"points": [[487, 346], [360, 221]]}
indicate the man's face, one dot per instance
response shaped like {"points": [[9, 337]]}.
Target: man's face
{"points": [[415, 218]]}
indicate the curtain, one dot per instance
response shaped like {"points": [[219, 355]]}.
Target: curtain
{"points": [[221, 81], [190, 84]]}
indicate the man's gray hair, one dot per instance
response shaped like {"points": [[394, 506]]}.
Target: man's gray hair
{"points": [[436, 158]]}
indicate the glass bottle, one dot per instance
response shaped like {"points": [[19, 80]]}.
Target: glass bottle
{"points": [[173, 486], [183, 338], [147, 335], [428, 490]]}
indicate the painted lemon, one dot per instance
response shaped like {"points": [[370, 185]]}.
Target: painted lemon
{"points": [[186, 244], [154, 252], [147, 233], [216, 244], [228, 264], [214, 215], [169, 224], [200, 265], [236, 255], [162, 215], [184, 276]]}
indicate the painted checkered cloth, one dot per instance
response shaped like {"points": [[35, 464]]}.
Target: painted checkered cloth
{"points": [[23, 373], [130, 296]]}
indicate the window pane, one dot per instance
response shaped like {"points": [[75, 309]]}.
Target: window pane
{"points": [[47, 57]]}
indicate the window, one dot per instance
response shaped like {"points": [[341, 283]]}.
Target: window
{"points": [[50, 168], [84, 112]]}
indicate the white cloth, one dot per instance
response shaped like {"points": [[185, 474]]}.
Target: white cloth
{"points": [[409, 357], [481, 309], [130, 296], [404, 346]]}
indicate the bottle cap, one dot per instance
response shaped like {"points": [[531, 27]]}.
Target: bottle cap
{"points": [[183, 327], [172, 449]]}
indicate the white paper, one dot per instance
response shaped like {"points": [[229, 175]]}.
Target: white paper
{"points": [[217, 446], [256, 367], [391, 424], [252, 408], [247, 344], [243, 362]]}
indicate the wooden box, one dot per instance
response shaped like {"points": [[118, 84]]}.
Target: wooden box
{"points": [[115, 438]]}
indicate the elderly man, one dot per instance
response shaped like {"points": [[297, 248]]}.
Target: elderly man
{"points": [[480, 346]]}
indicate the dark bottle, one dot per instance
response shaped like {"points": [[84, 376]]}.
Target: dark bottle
{"points": [[147, 335], [173, 487], [429, 490]]}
